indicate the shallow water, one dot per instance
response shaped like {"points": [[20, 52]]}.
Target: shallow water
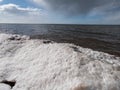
{"points": [[100, 38]]}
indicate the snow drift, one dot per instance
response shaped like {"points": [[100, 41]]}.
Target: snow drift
{"points": [[45, 65]]}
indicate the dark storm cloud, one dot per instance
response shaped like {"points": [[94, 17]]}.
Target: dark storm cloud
{"points": [[74, 7]]}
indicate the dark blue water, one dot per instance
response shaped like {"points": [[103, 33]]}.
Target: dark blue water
{"points": [[98, 37]]}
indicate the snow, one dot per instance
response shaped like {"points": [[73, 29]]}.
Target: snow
{"points": [[36, 65], [4, 87]]}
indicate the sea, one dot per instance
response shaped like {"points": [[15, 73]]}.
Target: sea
{"points": [[105, 38]]}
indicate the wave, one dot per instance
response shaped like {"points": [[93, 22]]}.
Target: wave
{"points": [[27, 64]]}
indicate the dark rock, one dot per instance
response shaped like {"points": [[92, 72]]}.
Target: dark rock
{"points": [[10, 83]]}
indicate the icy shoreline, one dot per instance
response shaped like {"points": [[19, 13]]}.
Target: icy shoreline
{"points": [[45, 65]]}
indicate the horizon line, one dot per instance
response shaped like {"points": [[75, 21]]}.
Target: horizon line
{"points": [[61, 24]]}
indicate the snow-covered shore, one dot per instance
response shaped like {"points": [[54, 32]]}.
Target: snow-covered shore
{"points": [[45, 65]]}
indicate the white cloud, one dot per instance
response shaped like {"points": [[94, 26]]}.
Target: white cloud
{"points": [[11, 13], [17, 10], [1, 0]]}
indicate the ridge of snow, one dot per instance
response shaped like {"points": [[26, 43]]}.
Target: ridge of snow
{"points": [[36, 65]]}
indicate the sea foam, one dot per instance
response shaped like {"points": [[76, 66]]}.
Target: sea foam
{"points": [[27, 64]]}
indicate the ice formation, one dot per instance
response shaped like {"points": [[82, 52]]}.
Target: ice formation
{"points": [[44, 65]]}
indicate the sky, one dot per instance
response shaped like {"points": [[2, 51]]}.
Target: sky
{"points": [[60, 11]]}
